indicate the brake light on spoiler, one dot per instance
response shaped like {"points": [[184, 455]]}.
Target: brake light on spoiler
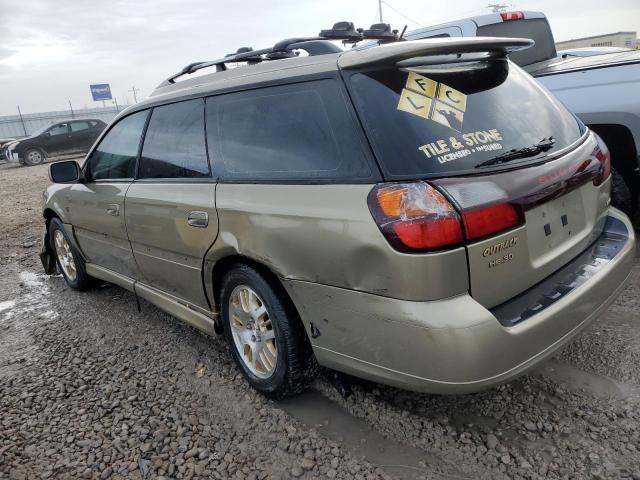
{"points": [[506, 16]]}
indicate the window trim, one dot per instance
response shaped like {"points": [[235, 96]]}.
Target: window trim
{"points": [[208, 179], [148, 105], [88, 122], [85, 166], [68, 124]]}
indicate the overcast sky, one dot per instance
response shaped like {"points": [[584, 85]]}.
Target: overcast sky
{"points": [[50, 51]]}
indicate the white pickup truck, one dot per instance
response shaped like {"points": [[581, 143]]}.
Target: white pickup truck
{"points": [[602, 90]]}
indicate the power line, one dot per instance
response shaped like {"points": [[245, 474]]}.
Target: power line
{"points": [[401, 14]]}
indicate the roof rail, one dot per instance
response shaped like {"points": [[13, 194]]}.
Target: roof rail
{"points": [[319, 45]]}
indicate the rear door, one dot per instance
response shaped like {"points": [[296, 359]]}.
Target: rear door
{"points": [[502, 151], [81, 137], [97, 204], [170, 208]]}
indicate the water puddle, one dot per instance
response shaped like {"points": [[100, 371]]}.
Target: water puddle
{"points": [[576, 379], [31, 279], [30, 306], [334, 422], [9, 304]]}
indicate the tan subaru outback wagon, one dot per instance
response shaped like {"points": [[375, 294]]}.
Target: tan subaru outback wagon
{"points": [[417, 213]]}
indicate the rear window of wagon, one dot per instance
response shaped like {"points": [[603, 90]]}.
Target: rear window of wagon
{"points": [[430, 122]]}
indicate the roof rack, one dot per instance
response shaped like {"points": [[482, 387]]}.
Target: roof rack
{"points": [[319, 45]]}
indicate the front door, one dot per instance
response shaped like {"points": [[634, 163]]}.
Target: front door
{"points": [[170, 208], [97, 206], [57, 140]]}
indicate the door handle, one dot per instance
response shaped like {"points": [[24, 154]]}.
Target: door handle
{"points": [[198, 219], [113, 209]]}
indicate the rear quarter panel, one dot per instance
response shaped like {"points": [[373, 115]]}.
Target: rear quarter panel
{"points": [[325, 234]]}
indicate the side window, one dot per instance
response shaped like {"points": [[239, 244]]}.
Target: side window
{"points": [[61, 129], [115, 156], [174, 145], [294, 133], [77, 126]]}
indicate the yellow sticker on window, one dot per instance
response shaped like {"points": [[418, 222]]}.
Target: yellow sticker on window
{"points": [[447, 116], [422, 85], [452, 97], [414, 103], [432, 100]]}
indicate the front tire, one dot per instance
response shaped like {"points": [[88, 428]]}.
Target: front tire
{"points": [[265, 334], [34, 156], [69, 261]]}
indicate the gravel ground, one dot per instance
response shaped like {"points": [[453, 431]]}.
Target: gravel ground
{"points": [[90, 388]]}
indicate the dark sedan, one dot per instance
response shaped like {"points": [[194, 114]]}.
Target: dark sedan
{"points": [[62, 138]]}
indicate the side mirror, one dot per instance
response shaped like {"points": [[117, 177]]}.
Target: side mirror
{"points": [[67, 171]]}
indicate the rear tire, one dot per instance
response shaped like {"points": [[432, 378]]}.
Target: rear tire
{"points": [[621, 194], [69, 261], [265, 334], [34, 156]]}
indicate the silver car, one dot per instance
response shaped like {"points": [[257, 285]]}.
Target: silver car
{"points": [[421, 213]]}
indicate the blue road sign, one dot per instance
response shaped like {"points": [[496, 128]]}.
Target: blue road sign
{"points": [[101, 91]]}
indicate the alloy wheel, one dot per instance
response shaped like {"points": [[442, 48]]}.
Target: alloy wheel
{"points": [[252, 331], [65, 256]]}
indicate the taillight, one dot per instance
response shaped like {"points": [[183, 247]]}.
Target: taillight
{"points": [[604, 157], [417, 217], [489, 220], [506, 16]]}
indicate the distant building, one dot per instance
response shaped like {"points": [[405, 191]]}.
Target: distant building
{"points": [[618, 39]]}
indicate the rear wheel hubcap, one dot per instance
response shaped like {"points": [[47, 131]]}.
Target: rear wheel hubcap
{"points": [[252, 331]]}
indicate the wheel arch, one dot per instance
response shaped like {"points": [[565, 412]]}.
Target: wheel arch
{"points": [[621, 143], [48, 213], [40, 148], [226, 263]]}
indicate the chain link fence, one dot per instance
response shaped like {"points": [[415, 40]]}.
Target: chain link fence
{"points": [[22, 125]]}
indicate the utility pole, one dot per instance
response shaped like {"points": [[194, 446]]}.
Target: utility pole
{"points": [[71, 107], [135, 91], [22, 121], [115, 100], [380, 9]]}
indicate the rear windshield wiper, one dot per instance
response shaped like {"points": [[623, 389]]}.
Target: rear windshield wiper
{"points": [[516, 153]]}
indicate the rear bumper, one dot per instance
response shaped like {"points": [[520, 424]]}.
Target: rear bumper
{"points": [[454, 345]]}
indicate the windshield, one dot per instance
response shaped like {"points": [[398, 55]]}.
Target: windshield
{"points": [[427, 122]]}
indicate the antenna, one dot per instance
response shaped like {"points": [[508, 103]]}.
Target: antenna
{"points": [[496, 7]]}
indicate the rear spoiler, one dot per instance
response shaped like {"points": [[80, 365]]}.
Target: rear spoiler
{"points": [[392, 53]]}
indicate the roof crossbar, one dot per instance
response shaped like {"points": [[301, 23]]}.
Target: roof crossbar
{"points": [[319, 45], [282, 49]]}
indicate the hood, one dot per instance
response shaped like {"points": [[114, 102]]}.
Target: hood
{"points": [[560, 64]]}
